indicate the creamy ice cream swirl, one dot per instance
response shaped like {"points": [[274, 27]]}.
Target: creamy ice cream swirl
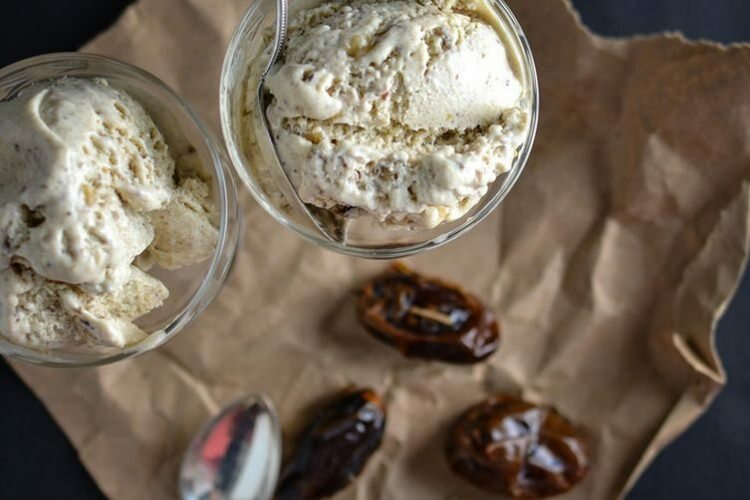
{"points": [[80, 162]]}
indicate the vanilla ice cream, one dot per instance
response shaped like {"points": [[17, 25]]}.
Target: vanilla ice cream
{"points": [[87, 186], [404, 110], [43, 313]]}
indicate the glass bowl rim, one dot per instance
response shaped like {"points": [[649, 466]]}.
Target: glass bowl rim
{"points": [[236, 155], [227, 205]]}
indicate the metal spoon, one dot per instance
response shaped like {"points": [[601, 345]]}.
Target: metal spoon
{"points": [[236, 456], [330, 229]]}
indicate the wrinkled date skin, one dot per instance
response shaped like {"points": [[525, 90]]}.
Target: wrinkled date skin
{"points": [[506, 445], [335, 447], [427, 318]]}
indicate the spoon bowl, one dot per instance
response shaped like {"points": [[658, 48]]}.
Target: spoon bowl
{"points": [[236, 455]]}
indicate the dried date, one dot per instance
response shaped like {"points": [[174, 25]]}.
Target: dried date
{"points": [[509, 446], [335, 447], [427, 318]]}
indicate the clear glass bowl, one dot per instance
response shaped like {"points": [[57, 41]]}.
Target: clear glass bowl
{"points": [[191, 288], [245, 48]]}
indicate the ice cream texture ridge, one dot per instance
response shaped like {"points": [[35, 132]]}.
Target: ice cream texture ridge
{"points": [[406, 111], [89, 188]]}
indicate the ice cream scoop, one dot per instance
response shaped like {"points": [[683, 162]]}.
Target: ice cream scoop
{"points": [[80, 162], [402, 111], [90, 196]]}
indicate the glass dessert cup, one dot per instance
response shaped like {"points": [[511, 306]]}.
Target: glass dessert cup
{"points": [[371, 240], [191, 288]]}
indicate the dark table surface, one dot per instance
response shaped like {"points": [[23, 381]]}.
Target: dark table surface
{"points": [[710, 461]]}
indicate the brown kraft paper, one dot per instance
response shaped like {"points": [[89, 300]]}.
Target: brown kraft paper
{"points": [[608, 266]]}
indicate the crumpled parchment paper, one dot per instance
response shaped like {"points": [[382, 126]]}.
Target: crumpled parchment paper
{"points": [[608, 265]]}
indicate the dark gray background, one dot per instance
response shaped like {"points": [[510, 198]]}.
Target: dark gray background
{"points": [[710, 461]]}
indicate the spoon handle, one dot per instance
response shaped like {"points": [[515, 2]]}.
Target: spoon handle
{"points": [[267, 143], [282, 22]]}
